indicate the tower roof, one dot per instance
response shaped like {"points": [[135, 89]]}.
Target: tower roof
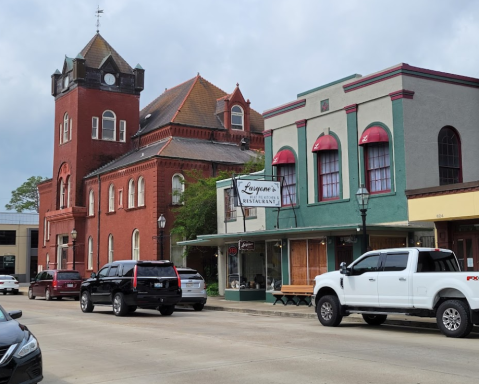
{"points": [[97, 51]]}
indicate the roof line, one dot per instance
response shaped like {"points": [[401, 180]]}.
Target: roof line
{"points": [[184, 100], [164, 146]]}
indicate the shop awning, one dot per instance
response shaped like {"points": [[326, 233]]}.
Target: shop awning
{"points": [[325, 143], [374, 135], [284, 157]]}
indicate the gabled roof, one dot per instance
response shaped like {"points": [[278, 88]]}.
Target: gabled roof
{"points": [[98, 49], [193, 103], [181, 148]]}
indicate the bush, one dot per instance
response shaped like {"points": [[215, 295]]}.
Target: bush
{"points": [[212, 289]]}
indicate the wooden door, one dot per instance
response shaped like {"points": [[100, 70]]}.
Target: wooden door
{"points": [[299, 262], [317, 259]]}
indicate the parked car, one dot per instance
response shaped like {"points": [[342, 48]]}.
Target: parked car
{"points": [[129, 284], [20, 354], [56, 283], [8, 284], [194, 288]]}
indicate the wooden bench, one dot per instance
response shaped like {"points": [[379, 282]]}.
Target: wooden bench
{"points": [[291, 291]]}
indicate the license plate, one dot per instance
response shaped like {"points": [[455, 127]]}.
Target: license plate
{"points": [[189, 284], [9, 289], [69, 285], [158, 285]]}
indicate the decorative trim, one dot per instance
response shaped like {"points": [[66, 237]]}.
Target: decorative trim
{"points": [[408, 70], [268, 133], [449, 189], [402, 94], [301, 123], [353, 108], [284, 108], [329, 84]]}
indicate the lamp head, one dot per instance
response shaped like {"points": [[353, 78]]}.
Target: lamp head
{"points": [[161, 222], [74, 234], [362, 196]]}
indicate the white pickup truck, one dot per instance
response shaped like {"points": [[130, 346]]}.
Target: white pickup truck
{"points": [[423, 282]]}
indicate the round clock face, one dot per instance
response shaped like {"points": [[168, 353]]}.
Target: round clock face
{"points": [[109, 79], [66, 81]]}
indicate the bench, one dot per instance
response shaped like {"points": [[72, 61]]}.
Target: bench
{"points": [[291, 291]]}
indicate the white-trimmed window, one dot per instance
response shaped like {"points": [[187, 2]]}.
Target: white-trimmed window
{"points": [[237, 117], [71, 128], [141, 191], [62, 194], [61, 133], [91, 203], [94, 127], [48, 229], [110, 248], [48, 261], [131, 194], [111, 198], [44, 231], [177, 188], [120, 198], [135, 245], [108, 126], [90, 253], [68, 191], [122, 137], [66, 134]]}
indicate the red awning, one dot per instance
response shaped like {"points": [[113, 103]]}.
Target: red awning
{"points": [[284, 157], [325, 143], [374, 135]]}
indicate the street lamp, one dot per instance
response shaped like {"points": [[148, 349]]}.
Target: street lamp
{"points": [[362, 196], [161, 225], [74, 234]]}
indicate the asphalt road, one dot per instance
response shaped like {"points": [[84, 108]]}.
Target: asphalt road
{"points": [[224, 347]]}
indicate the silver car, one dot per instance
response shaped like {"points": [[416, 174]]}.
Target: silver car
{"points": [[194, 288]]}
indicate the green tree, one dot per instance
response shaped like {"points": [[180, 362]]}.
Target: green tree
{"points": [[25, 197], [255, 164]]}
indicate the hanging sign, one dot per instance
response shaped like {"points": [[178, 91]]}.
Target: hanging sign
{"points": [[245, 245], [259, 193]]}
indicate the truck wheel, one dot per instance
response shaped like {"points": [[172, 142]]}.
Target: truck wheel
{"points": [[329, 311], [453, 318], [119, 306], [85, 303], [374, 319]]}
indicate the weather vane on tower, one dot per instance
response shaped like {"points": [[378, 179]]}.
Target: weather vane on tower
{"points": [[98, 11]]}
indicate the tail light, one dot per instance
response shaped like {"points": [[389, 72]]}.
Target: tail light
{"points": [[135, 276], [55, 283], [177, 275], [1, 282]]}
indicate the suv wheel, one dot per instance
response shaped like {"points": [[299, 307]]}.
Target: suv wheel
{"points": [[132, 308], [85, 303], [167, 310], [30, 294], [198, 306], [48, 295], [119, 306]]}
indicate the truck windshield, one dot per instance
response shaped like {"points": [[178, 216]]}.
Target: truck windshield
{"points": [[437, 261]]}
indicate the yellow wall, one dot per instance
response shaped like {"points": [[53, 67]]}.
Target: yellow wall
{"points": [[460, 206]]}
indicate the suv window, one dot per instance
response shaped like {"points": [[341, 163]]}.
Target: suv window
{"points": [[369, 264], [395, 262], [49, 276], [113, 271], [42, 276], [437, 261], [68, 276], [155, 271], [103, 272], [128, 270], [191, 275]]}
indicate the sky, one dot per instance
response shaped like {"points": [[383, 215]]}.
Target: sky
{"points": [[274, 49]]}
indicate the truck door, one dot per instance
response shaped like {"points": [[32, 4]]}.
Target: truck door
{"points": [[360, 287], [394, 280]]}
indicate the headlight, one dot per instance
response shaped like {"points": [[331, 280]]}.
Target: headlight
{"points": [[31, 345]]}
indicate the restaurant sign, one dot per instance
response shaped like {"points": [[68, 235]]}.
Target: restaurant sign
{"points": [[259, 193], [244, 245]]}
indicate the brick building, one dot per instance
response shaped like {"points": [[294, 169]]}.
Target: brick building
{"points": [[116, 169]]}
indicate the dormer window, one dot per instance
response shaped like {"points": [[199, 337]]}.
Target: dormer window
{"points": [[237, 117]]}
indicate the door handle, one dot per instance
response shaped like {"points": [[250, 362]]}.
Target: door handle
{"points": [[402, 279], [371, 279]]}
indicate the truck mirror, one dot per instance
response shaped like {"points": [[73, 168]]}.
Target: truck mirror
{"points": [[343, 269], [93, 275]]}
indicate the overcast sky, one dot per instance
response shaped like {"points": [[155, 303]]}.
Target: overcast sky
{"points": [[274, 49]]}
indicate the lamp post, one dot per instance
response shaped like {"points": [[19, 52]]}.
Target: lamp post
{"points": [[161, 225], [362, 196], [74, 234]]}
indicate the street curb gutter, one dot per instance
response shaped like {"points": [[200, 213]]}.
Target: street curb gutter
{"points": [[347, 319]]}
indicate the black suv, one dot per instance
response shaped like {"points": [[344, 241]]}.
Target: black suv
{"points": [[129, 284]]}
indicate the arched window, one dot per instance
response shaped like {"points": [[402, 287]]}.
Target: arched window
{"points": [[110, 248], [90, 253], [177, 188], [62, 194], [68, 191], [108, 126], [135, 245], [131, 194], [285, 164], [450, 164], [91, 204], [326, 149], [111, 198], [141, 191], [66, 133], [237, 117]]}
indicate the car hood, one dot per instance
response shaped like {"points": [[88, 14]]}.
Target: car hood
{"points": [[12, 332], [327, 275]]}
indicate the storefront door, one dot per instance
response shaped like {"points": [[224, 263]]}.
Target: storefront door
{"points": [[467, 251]]}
